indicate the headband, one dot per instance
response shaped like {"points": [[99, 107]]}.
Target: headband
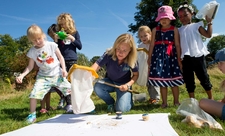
{"points": [[186, 6]]}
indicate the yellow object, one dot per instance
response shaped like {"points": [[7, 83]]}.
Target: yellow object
{"points": [[142, 49], [75, 66]]}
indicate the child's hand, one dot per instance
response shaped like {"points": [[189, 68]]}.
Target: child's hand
{"points": [[19, 79], [180, 65], [56, 37], [64, 73], [208, 20], [69, 36], [149, 62]]}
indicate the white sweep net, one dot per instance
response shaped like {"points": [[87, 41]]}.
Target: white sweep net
{"points": [[190, 108], [81, 78], [210, 9], [143, 67]]}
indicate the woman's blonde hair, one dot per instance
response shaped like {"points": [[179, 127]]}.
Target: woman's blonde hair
{"points": [[69, 22], [131, 58], [145, 29], [35, 31]]}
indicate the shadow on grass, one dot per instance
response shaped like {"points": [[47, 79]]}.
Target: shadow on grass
{"points": [[138, 108], [17, 114]]}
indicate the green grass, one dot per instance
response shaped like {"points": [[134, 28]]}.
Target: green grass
{"points": [[14, 107]]}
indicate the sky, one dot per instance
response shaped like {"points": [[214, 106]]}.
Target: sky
{"points": [[99, 22]]}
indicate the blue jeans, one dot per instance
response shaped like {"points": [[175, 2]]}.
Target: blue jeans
{"points": [[223, 113], [123, 99]]}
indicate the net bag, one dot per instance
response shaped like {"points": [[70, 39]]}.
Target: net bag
{"points": [[143, 66], [195, 115], [81, 78], [210, 9]]}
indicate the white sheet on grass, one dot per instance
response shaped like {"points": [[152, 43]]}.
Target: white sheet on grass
{"points": [[99, 125]]}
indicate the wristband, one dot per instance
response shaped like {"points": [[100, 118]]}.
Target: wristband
{"points": [[128, 87]]}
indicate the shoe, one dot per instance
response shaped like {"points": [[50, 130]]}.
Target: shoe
{"points": [[61, 103], [69, 109], [164, 106], [43, 111], [31, 118], [153, 101], [110, 109], [50, 109]]}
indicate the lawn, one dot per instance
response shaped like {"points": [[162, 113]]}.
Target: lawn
{"points": [[14, 107]]}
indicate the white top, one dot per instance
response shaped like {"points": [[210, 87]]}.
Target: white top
{"points": [[142, 45], [46, 59], [191, 41]]}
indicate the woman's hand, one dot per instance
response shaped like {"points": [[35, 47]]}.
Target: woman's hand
{"points": [[123, 88]]}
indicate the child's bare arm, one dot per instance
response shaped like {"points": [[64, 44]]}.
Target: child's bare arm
{"points": [[177, 44], [151, 46], [27, 70], [206, 33], [62, 62]]}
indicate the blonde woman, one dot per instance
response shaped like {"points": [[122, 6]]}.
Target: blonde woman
{"points": [[122, 70]]}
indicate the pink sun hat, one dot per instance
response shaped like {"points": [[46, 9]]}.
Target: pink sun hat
{"points": [[165, 12]]}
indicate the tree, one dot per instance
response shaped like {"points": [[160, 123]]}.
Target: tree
{"points": [[13, 58], [83, 60], [94, 59], [147, 13], [8, 49], [215, 44], [24, 44]]}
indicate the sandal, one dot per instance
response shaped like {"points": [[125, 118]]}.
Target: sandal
{"points": [[164, 106], [153, 101], [43, 111], [176, 104]]}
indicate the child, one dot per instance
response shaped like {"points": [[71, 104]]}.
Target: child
{"points": [[144, 34], [164, 56], [193, 50], [121, 68], [216, 108], [68, 46], [48, 58], [51, 32], [45, 103]]}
